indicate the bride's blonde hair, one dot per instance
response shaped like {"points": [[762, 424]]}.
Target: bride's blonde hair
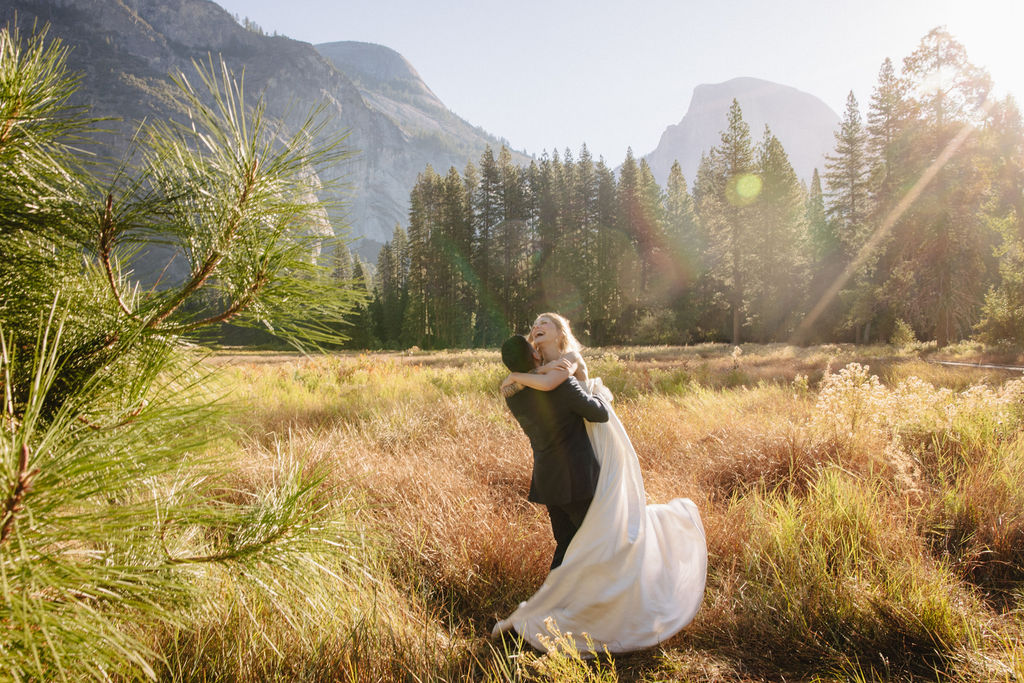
{"points": [[566, 341]]}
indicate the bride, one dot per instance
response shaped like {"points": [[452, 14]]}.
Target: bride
{"points": [[634, 574]]}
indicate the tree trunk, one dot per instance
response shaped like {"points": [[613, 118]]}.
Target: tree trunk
{"points": [[942, 328]]}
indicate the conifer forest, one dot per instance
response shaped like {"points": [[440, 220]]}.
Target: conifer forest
{"points": [[916, 223]]}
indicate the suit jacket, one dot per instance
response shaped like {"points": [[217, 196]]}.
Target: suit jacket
{"points": [[565, 468]]}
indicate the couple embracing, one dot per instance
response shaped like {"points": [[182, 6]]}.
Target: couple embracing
{"points": [[625, 574]]}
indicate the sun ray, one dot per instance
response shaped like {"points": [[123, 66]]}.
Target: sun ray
{"points": [[886, 225]]}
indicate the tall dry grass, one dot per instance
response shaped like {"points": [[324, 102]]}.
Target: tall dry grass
{"points": [[862, 525]]}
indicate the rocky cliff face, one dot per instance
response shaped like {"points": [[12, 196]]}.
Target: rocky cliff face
{"points": [[126, 49], [390, 85], [804, 125]]}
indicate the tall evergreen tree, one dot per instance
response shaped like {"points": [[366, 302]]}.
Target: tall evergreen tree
{"points": [[341, 260], [1003, 312], [610, 247], [780, 244], [391, 289], [631, 221], [488, 212], [822, 240], [555, 272], [889, 127], [424, 206], [729, 185], [826, 264], [510, 243], [587, 222], [361, 329], [650, 240], [686, 245], [453, 248], [847, 183], [940, 268], [889, 123], [714, 322]]}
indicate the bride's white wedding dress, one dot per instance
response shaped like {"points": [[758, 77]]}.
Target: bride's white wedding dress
{"points": [[634, 574]]}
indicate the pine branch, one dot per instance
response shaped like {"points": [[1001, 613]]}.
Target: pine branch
{"points": [[132, 415], [233, 554], [107, 234], [240, 304], [215, 257], [22, 484], [9, 124]]}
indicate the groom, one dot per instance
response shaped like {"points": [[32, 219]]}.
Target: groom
{"points": [[565, 469]]}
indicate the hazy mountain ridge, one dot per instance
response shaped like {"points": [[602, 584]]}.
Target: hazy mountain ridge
{"points": [[125, 50], [390, 84], [379, 70], [803, 123]]}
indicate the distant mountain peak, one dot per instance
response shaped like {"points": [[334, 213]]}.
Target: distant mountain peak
{"points": [[803, 123], [376, 66], [749, 84]]}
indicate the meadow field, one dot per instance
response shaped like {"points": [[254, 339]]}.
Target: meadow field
{"points": [[864, 509]]}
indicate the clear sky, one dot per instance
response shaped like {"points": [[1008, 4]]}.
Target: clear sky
{"points": [[549, 74]]}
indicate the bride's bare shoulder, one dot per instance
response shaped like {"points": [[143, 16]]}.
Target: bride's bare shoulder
{"points": [[581, 366]]}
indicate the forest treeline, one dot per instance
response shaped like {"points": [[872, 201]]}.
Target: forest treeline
{"points": [[915, 222]]}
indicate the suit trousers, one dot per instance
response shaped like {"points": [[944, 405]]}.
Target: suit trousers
{"points": [[565, 522]]}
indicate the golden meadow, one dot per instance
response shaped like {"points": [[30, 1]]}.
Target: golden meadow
{"points": [[864, 510]]}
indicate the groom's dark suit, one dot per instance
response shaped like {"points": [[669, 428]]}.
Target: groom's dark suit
{"points": [[565, 469]]}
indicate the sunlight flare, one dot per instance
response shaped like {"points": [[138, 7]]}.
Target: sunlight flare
{"points": [[744, 189], [886, 225]]}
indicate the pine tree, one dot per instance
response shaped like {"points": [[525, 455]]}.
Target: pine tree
{"points": [[940, 267], [392, 288], [609, 249], [731, 187], [586, 193], [570, 255], [889, 122], [650, 239], [1002, 317], [487, 213], [826, 266], [424, 207], [457, 245], [685, 248], [822, 240], [383, 295], [109, 524], [511, 243], [554, 269], [713, 321], [631, 220], [847, 182], [781, 241], [361, 332]]}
